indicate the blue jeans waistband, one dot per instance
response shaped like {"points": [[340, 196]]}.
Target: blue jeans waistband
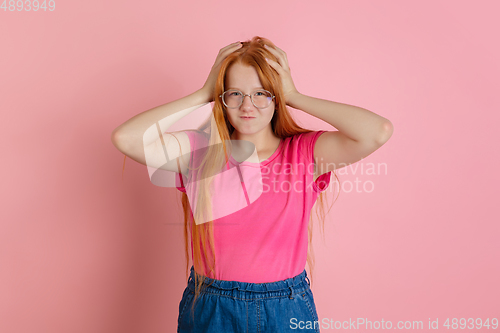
{"points": [[249, 290]]}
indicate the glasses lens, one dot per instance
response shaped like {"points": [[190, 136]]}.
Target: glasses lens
{"points": [[261, 98], [232, 98]]}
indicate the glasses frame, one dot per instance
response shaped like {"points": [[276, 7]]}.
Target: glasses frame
{"points": [[244, 95]]}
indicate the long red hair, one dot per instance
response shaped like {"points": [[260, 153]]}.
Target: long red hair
{"points": [[219, 129]]}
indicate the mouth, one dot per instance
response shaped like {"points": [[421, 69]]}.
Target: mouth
{"points": [[247, 117]]}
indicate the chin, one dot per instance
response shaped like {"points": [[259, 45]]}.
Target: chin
{"points": [[243, 131]]}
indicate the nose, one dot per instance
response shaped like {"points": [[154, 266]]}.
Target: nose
{"points": [[247, 102]]}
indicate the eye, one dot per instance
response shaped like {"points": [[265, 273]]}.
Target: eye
{"points": [[234, 93], [259, 92]]}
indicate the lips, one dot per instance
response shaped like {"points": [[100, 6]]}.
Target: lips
{"points": [[247, 117]]}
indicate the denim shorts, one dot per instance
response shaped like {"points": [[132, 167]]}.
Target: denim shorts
{"points": [[243, 307]]}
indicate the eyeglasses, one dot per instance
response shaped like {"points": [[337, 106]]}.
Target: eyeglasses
{"points": [[234, 98]]}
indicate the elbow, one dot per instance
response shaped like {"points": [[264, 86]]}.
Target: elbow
{"points": [[116, 140], [385, 133], [114, 137]]}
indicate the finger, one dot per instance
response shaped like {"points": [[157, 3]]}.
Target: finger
{"points": [[275, 49], [273, 64], [282, 62], [230, 46], [270, 48], [232, 49], [234, 46], [279, 54]]}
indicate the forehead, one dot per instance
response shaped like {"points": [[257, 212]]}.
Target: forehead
{"points": [[242, 77]]}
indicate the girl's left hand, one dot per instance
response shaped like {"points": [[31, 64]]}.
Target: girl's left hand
{"points": [[283, 70]]}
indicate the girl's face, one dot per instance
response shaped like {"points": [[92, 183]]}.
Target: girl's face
{"points": [[245, 79]]}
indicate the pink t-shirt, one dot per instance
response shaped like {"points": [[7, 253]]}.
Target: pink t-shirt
{"points": [[266, 239]]}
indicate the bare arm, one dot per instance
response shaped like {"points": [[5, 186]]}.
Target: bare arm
{"points": [[131, 132], [138, 137], [360, 131], [142, 135]]}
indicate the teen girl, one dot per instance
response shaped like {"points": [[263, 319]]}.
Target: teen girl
{"points": [[249, 252]]}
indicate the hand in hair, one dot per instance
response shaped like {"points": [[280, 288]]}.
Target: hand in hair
{"points": [[209, 85], [283, 70]]}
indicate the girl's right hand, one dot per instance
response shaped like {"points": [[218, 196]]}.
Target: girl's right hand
{"points": [[209, 85]]}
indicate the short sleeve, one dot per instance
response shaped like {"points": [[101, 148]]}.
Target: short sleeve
{"points": [[197, 140], [323, 181]]}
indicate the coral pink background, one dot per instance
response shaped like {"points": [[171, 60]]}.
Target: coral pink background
{"points": [[83, 250]]}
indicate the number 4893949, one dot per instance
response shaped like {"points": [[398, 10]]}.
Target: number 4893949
{"points": [[27, 5]]}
